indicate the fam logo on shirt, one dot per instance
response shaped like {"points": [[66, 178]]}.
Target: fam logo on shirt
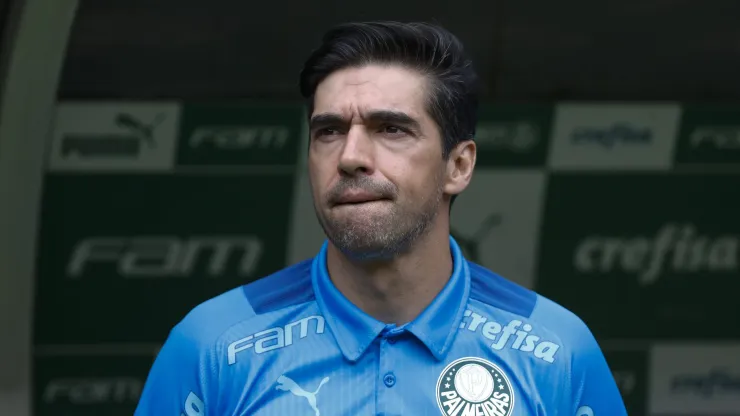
{"points": [[474, 386]]}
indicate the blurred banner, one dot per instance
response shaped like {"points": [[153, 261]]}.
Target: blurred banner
{"points": [[625, 214]]}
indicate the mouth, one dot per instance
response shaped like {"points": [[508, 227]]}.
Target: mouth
{"points": [[357, 198]]}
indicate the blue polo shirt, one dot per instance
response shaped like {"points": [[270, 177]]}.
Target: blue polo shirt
{"points": [[292, 344]]}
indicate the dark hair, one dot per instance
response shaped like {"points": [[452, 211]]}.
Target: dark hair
{"points": [[429, 49]]}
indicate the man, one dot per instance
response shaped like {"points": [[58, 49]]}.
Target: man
{"points": [[388, 318]]}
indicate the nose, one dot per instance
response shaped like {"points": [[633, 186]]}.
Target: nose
{"points": [[357, 155]]}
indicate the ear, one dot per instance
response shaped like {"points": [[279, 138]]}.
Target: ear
{"points": [[460, 167]]}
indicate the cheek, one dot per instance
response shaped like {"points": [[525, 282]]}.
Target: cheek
{"points": [[314, 177], [320, 177], [420, 179]]}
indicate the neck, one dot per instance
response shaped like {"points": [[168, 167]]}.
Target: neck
{"points": [[398, 290]]}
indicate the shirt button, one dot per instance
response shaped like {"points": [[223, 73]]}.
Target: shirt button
{"points": [[392, 340], [389, 379]]}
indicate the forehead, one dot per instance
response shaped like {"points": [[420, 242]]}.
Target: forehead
{"points": [[373, 87]]}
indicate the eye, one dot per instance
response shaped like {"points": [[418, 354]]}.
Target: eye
{"points": [[393, 131], [326, 131]]}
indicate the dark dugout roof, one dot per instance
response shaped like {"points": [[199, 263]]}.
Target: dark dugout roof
{"points": [[525, 50]]}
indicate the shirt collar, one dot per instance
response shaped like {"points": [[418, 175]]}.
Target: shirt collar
{"points": [[355, 330]]}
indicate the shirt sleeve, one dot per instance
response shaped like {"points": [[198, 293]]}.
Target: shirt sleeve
{"points": [[182, 379], [594, 388]]}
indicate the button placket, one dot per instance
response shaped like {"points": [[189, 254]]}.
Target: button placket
{"points": [[387, 379]]}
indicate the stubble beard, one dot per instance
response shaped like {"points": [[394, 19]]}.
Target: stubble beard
{"points": [[382, 236]]}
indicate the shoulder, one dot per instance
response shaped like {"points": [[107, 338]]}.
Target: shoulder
{"points": [[558, 322], [244, 306], [496, 291], [559, 342], [569, 327]]}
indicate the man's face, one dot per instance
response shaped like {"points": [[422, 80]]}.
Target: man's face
{"points": [[375, 160]]}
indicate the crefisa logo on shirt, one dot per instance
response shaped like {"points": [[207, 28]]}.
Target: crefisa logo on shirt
{"points": [[472, 386]]}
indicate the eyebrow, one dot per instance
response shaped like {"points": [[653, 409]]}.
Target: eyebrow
{"points": [[378, 116]]}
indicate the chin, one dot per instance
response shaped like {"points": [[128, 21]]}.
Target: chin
{"points": [[361, 227], [363, 248]]}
